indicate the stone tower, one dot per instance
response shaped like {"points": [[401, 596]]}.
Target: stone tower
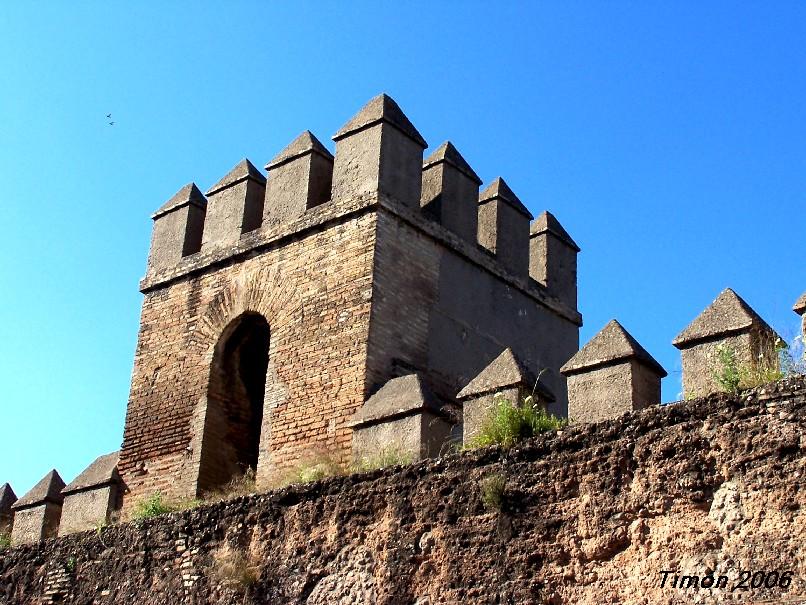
{"points": [[274, 308]]}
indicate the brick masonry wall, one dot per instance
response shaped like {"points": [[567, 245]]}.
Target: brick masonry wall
{"points": [[591, 515], [314, 291]]}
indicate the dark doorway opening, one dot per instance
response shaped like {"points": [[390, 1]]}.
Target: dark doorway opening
{"points": [[231, 440]]}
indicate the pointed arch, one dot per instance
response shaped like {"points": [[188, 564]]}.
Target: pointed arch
{"points": [[235, 398]]}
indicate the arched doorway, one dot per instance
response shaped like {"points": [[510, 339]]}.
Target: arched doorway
{"points": [[231, 439]]}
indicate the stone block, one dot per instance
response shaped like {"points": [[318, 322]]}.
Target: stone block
{"points": [[379, 151], [611, 375], [507, 378], [728, 323], [553, 258], [93, 497], [403, 417], [504, 227], [450, 192], [234, 206], [300, 178], [800, 309], [7, 500], [38, 512], [178, 227]]}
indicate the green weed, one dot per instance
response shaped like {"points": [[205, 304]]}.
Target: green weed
{"points": [[774, 362], [507, 424], [492, 491], [157, 504]]}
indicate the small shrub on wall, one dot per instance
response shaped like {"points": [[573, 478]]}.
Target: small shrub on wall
{"points": [[507, 424], [157, 504], [784, 360], [492, 491]]}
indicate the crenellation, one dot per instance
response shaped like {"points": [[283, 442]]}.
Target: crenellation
{"points": [[553, 258], [581, 511], [503, 226], [727, 331], [311, 292], [450, 192], [177, 230], [611, 375], [374, 309], [300, 177], [379, 151], [365, 276], [234, 206]]}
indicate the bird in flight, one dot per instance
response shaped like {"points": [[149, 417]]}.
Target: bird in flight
{"points": [[109, 115], [111, 123]]}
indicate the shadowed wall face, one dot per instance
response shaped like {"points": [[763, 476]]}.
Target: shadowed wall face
{"points": [[89, 509], [435, 311], [35, 523]]}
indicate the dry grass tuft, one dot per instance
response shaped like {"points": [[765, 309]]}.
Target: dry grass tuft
{"points": [[235, 568]]}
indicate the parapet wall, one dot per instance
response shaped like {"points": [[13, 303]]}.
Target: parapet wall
{"points": [[594, 514]]}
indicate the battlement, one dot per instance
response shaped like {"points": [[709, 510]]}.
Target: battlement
{"points": [[378, 162], [278, 304]]}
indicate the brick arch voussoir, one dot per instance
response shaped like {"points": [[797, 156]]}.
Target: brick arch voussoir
{"points": [[263, 291]]}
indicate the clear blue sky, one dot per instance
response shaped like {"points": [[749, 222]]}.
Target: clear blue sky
{"points": [[668, 138]]}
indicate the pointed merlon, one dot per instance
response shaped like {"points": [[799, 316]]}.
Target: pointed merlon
{"points": [[399, 397], [242, 171], [49, 489], [547, 223], [7, 498], [381, 109], [499, 189], [504, 371], [611, 344], [187, 195], [304, 144], [800, 306], [102, 471], [450, 155], [728, 314]]}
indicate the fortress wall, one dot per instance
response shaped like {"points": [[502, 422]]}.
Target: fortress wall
{"points": [[314, 291], [591, 515], [446, 316]]}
